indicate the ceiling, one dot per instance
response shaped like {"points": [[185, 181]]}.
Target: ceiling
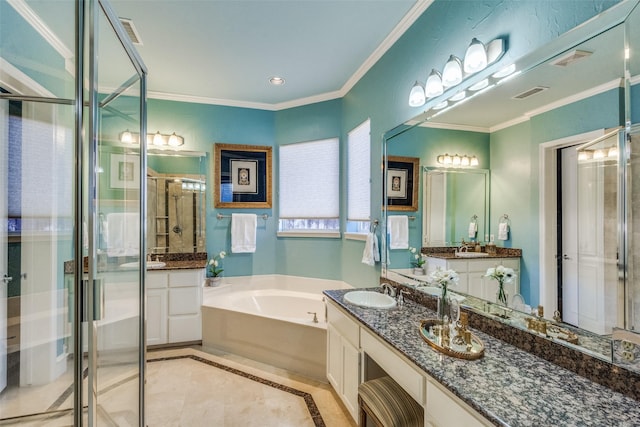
{"points": [[225, 51]]}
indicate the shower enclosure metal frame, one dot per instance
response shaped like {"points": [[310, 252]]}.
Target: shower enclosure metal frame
{"points": [[86, 104]]}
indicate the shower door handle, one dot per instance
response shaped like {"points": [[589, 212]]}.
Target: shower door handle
{"points": [[6, 279], [566, 257]]}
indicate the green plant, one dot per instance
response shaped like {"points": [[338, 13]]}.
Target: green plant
{"points": [[417, 256], [214, 268]]}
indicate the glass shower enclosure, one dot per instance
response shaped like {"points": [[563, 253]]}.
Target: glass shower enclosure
{"points": [[71, 291]]}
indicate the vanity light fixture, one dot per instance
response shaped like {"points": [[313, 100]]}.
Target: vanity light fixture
{"points": [[452, 72], [599, 154], [458, 96], [479, 86], [613, 152], [457, 161], [156, 140], [508, 70], [475, 59], [433, 87], [417, 97]]}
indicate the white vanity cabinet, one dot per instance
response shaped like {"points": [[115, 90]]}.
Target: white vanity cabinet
{"points": [[174, 298], [347, 345], [343, 357], [471, 275]]}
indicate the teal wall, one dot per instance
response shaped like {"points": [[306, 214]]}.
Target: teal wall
{"points": [[380, 95]]}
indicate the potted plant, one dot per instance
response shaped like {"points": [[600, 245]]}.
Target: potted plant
{"points": [[418, 263], [214, 269]]}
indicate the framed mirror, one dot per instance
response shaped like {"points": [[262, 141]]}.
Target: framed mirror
{"points": [[560, 97]]}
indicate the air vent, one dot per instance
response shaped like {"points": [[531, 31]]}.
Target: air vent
{"points": [[131, 30], [571, 57], [530, 92]]}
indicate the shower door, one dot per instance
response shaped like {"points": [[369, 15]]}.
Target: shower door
{"points": [[71, 315]]}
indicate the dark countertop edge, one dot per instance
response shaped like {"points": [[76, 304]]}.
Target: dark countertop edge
{"points": [[453, 388], [170, 265], [449, 255]]}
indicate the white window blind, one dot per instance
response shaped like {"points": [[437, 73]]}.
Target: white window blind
{"points": [[359, 173], [309, 179]]}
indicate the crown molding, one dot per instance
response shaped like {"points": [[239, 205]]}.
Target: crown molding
{"points": [[43, 29], [405, 23], [17, 82], [468, 128]]}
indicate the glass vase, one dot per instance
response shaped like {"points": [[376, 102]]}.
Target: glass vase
{"points": [[444, 306], [501, 295]]}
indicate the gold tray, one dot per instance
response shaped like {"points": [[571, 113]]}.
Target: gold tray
{"points": [[429, 332]]}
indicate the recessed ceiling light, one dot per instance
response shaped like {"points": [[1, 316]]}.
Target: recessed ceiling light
{"points": [[276, 81]]}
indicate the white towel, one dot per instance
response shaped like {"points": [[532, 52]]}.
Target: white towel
{"points": [[243, 233], [371, 253], [398, 230], [123, 234], [503, 231], [473, 229]]}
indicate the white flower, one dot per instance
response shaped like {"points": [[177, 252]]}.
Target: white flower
{"points": [[211, 262], [223, 254], [413, 251], [215, 263]]}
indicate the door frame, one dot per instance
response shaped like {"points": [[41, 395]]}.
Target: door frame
{"points": [[547, 214]]}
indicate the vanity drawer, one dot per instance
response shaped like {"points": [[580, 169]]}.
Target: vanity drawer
{"points": [[186, 278], [157, 279], [345, 326], [409, 378]]}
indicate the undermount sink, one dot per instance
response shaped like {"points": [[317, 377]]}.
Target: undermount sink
{"points": [[150, 264], [370, 299], [471, 254]]}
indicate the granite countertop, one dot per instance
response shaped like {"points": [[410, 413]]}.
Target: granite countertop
{"points": [[452, 255], [508, 386], [182, 265]]}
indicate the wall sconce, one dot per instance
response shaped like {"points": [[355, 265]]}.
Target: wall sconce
{"points": [[477, 57], [605, 153], [457, 161], [153, 140]]}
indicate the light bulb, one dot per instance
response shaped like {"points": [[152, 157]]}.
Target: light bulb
{"points": [[175, 140], [126, 137], [440, 159], [446, 160], [598, 154], [506, 71], [452, 73], [480, 85], [456, 160], [433, 87], [441, 105], [474, 161], [458, 96], [475, 59], [157, 139], [613, 152], [417, 96], [464, 161]]}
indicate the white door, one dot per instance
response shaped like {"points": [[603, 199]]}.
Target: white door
{"points": [[569, 250], [435, 216], [4, 282]]}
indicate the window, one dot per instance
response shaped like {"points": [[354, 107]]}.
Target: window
{"points": [[359, 179], [309, 185]]}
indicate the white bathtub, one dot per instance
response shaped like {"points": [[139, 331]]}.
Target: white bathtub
{"points": [[266, 318]]}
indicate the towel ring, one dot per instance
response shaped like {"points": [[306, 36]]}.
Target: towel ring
{"points": [[504, 219]]}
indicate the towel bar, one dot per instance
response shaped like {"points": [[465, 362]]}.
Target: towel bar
{"points": [[220, 216]]}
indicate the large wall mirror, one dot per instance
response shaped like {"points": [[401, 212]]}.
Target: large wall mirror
{"points": [[552, 129]]}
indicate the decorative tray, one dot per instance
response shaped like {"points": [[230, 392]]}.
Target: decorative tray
{"points": [[431, 330]]}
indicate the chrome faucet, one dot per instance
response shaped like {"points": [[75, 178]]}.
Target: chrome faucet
{"points": [[401, 294], [387, 289], [463, 247]]}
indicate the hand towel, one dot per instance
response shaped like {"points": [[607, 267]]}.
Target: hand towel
{"points": [[123, 234], [398, 230], [503, 231], [473, 229], [371, 253], [243, 233]]}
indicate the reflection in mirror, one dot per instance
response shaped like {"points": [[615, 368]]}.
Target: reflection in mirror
{"points": [[456, 206], [176, 205], [574, 86]]}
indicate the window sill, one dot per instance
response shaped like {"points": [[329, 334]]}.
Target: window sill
{"points": [[355, 236], [310, 233]]}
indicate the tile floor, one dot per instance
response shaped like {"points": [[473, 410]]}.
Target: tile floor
{"points": [[198, 387]]}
